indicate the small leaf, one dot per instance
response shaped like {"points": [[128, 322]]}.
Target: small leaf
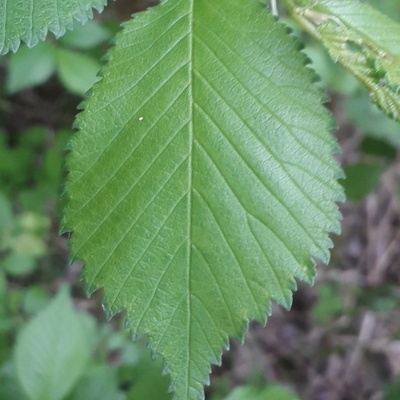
{"points": [[52, 350], [30, 67], [35, 299], [77, 72], [332, 74], [361, 179], [271, 392], [371, 120], [362, 39], [30, 20], [17, 263], [86, 36], [99, 383], [148, 384], [378, 148], [202, 181]]}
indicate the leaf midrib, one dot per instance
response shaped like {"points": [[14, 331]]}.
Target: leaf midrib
{"points": [[190, 176]]}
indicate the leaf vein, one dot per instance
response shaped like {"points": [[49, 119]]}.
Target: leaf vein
{"points": [[169, 323], [240, 201], [134, 222], [168, 216], [230, 247], [267, 259], [227, 308], [156, 287], [281, 164], [98, 159]]}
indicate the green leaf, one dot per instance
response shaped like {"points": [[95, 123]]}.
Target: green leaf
{"points": [[331, 74], [86, 36], [361, 179], [3, 299], [378, 148], [35, 299], [9, 385], [6, 216], [201, 181], [98, 383], [77, 72], [371, 120], [271, 392], [388, 7], [30, 67], [18, 263], [365, 41], [148, 384], [52, 350], [30, 20], [23, 243]]}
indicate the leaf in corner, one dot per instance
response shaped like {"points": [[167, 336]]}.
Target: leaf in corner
{"points": [[30, 20], [86, 36], [53, 350], [30, 67], [201, 181], [364, 41], [77, 72], [98, 382]]}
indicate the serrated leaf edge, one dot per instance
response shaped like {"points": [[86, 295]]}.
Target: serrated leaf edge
{"points": [[336, 229], [41, 36]]}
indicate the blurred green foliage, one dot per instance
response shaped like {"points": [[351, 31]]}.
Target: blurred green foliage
{"points": [[270, 392], [361, 179], [329, 304], [22, 243], [31, 167], [70, 58], [107, 365], [62, 353]]}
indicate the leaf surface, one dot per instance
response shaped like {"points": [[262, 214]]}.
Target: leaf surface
{"points": [[77, 72], [365, 41], [201, 181], [270, 392], [31, 20], [53, 350], [30, 67]]}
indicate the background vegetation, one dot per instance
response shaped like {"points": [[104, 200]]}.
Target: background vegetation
{"points": [[341, 340]]}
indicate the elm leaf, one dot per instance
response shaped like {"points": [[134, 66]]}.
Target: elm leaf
{"points": [[201, 182], [31, 20]]}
